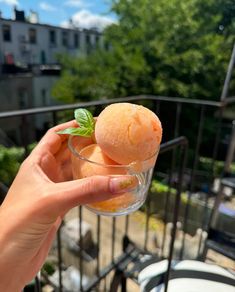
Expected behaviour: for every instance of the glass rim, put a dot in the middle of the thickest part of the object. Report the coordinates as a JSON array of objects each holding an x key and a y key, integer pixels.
[{"x": 76, "y": 153}]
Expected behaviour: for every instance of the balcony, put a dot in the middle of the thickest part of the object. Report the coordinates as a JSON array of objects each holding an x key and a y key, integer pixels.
[{"x": 190, "y": 198}]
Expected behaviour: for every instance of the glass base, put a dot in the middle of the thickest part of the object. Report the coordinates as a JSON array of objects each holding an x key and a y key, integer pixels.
[{"x": 126, "y": 211}]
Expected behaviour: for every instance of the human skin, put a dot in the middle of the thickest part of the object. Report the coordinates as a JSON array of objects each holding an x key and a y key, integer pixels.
[{"x": 37, "y": 201}]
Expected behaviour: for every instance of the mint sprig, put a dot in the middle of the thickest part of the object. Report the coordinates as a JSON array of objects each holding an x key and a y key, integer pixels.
[{"x": 85, "y": 121}]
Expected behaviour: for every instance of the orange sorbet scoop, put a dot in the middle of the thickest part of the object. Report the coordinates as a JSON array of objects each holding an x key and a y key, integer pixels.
[
  {"x": 128, "y": 132},
  {"x": 95, "y": 162}
]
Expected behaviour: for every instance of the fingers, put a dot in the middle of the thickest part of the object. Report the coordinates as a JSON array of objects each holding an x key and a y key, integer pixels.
[
  {"x": 52, "y": 141},
  {"x": 63, "y": 154},
  {"x": 63, "y": 126},
  {"x": 90, "y": 190}
]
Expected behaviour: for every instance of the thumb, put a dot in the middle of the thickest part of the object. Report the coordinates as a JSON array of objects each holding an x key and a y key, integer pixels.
[{"x": 91, "y": 189}]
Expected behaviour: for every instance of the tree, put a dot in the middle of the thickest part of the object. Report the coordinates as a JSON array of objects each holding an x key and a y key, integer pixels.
[{"x": 171, "y": 48}]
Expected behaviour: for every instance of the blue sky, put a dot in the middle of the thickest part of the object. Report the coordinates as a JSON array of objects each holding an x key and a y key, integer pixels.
[{"x": 84, "y": 13}]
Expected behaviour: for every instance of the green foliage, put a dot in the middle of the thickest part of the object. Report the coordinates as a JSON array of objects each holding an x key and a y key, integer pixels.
[
  {"x": 86, "y": 78},
  {"x": 185, "y": 52},
  {"x": 49, "y": 268},
  {"x": 172, "y": 48},
  {"x": 10, "y": 159},
  {"x": 197, "y": 209},
  {"x": 205, "y": 163},
  {"x": 158, "y": 187}
]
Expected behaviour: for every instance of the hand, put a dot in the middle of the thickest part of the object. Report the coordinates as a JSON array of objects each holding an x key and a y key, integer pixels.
[{"x": 36, "y": 203}]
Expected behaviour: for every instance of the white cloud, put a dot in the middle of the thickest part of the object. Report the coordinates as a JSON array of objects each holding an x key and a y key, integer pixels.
[
  {"x": 10, "y": 2},
  {"x": 86, "y": 19},
  {"x": 46, "y": 6},
  {"x": 77, "y": 3}
]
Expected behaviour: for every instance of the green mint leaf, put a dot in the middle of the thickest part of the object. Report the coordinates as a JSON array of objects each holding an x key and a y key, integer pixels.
[
  {"x": 84, "y": 118},
  {"x": 76, "y": 132},
  {"x": 70, "y": 131},
  {"x": 84, "y": 132},
  {"x": 86, "y": 124}
]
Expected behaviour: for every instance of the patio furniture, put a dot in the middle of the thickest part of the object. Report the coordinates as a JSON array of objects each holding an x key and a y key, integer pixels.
[
  {"x": 221, "y": 241},
  {"x": 197, "y": 275},
  {"x": 152, "y": 274}
]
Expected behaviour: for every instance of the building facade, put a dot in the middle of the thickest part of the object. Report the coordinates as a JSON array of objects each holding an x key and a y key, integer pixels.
[
  {"x": 29, "y": 67},
  {"x": 24, "y": 43}
]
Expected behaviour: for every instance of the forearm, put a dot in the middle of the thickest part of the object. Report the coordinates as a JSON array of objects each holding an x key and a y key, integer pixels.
[
  {"x": 9, "y": 274},
  {"x": 8, "y": 283}
]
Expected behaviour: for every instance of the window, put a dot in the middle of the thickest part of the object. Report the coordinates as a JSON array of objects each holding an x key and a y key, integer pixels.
[
  {"x": 88, "y": 44},
  {"x": 6, "y": 33},
  {"x": 52, "y": 37},
  {"x": 43, "y": 57},
  {"x": 88, "y": 40},
  {"x": 44, "y": 97},
  {"x": 97, "y": 40},
  {"x": 23, "y": 98},
  {"x": 9, "y": 58},
  {"x": 76, "y": 40},
  {"x": 64, "y": 38},
  {"x": 32, "y": 36}
]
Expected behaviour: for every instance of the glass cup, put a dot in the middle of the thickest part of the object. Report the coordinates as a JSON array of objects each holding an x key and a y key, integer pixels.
[{"x": 125, "y": 203}]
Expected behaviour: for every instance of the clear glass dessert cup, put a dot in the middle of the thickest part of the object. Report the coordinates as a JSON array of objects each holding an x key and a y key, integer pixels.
[{"x": 127, "y": 202}]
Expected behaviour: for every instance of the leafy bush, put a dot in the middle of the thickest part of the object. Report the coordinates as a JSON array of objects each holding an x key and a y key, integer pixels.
[
  {"x": 10, "y": 160},
  {"x": 161, "y": 188},
  {"x": 205, "y": 164},
  {"x": 49, "y": 268}
]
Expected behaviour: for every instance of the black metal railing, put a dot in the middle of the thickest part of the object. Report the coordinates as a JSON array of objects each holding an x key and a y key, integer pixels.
[{"x": 174, "y": 112}]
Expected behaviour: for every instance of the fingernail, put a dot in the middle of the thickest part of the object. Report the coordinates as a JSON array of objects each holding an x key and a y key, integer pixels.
[{"x": 122, "y": 184}]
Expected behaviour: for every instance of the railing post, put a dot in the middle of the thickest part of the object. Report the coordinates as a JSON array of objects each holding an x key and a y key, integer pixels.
[
  {"x": 184, "y": 149},
  {"x": 98, "y": 245},
  {"x": 147, "y": 223},
  {"x": 113, "y": 238},
  {"x": 81, "y": 247},
  {"x": 24, "y": 136},
  {"x": 228, "y": 75},
  {"x": 59, "y": 247},
  {"x": 231, "y": 151}
]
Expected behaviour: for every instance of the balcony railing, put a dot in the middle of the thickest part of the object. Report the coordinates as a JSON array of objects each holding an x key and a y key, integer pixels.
[{"x": 182, "y": 177}]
